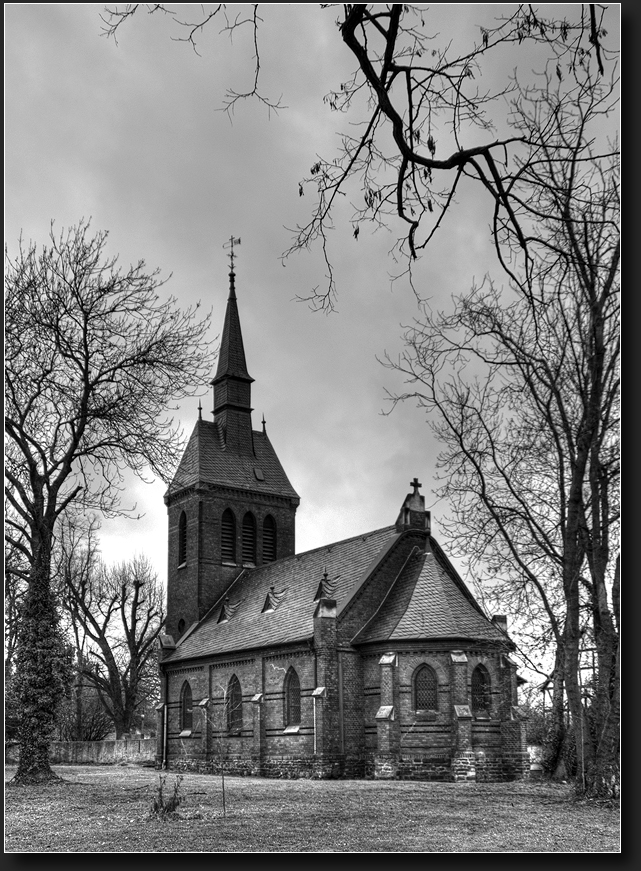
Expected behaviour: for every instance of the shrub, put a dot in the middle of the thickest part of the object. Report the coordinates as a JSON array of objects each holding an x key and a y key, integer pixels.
[{"x": 164, "y": 806}]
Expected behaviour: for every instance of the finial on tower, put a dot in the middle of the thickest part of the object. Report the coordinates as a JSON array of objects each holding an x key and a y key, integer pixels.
[
  {"x": 264, "y": 429},
  {"x": 200, "y": 410},
  {"x": 232, "y": 275}
]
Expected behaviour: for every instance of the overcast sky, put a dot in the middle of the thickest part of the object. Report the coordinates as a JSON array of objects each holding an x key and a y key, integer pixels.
[{"x": 133, "y": 136}]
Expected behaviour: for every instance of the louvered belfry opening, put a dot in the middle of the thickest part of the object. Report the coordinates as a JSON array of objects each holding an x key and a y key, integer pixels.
[
  {"x": 425, "y": 689},
  {"x": 269, "y": 539},
  {"x": 182, "y": 539},
  {"x": 249, "y": 538},
  {"x": 228, "y": 537}
]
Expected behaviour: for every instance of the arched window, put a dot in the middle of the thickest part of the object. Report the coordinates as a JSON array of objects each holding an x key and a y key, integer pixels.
[
  {"x": 234, "y": 704},
  {"x": 181, "y": 627},
  {"x": 249, "y": 538},
  {"x": 186, "y": 708},
  {"x": 269, "y": 539},
  {"x": 182, "y": 539},
  {"x": 481, "y": 691},
  {"x": 425, "y": 689},
  {"x": 292, "y": 699},
  {"x": 228, "y": 537}
]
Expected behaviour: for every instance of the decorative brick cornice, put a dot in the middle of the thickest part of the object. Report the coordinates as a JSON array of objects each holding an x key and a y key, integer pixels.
[{"x": 232, "y": 663}]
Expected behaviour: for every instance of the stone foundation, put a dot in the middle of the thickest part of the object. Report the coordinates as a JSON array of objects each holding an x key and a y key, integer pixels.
[{"x": 463, "y": 766}]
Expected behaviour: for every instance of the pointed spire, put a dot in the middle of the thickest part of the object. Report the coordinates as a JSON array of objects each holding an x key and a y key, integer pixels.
[
  {"x": 232, "y": 382},
  {"x": 231, "y": 357}
]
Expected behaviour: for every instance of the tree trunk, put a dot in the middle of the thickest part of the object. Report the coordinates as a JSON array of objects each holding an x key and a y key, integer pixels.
[
  {"x": 38, "y": 671},
  {"x": 603, "y": 779},
  {"x": 553, "y": 765}
]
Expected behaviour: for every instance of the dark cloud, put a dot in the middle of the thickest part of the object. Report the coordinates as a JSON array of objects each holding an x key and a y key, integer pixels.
[{"x": 133, "y": 136}]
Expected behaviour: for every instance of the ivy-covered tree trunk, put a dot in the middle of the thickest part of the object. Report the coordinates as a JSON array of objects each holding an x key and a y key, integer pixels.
[
  {"x": 605, "y": 777},
  {"x": 39, "y": 671}
]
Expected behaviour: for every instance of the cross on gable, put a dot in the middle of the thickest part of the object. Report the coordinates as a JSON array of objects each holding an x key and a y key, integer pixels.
[{"x": 415, "y": 484}]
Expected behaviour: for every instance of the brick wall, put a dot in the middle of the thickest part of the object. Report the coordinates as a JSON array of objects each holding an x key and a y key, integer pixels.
[{"x": 193, "y": 588}]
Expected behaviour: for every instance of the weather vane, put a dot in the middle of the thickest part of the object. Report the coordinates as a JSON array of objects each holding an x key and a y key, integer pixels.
[{"x": 232, "y": 241}]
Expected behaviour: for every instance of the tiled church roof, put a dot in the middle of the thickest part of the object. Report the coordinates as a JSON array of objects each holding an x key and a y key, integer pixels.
[
  {"x": 425, "y": 601},
  {"x": 295, "y": 581},
  {"x": 207, "y": 460}
]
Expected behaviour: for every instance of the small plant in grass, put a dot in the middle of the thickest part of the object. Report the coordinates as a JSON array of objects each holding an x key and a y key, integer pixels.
[{"x": 166, "y": 803}]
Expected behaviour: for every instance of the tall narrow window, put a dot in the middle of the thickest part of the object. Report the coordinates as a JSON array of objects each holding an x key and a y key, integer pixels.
[
  {"x": 425, "y": 689},
  {"x": 292, "y": 699},
  {"x": 186, "y": 708},
  {"x": 228, "y": 537},
  {"x": 182, "y": 539},
  {"x": 269, "y": 539},
  {"x": 234, "y": 704},
  {"x": 481, "y": 691},
  {"x": 249, "y": 538}
]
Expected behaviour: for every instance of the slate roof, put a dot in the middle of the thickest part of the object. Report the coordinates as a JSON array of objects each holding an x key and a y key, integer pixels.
[
  {"x": 207, "y": 460},
  {"x": 429, "y": 601},
  {"x": 295, "y": 581},
  {"x": 425, "y": 601},
  {"x": 231, "y": 357}
]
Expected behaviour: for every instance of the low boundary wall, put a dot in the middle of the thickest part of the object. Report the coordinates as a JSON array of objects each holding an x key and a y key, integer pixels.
[{"x": 140, "y": 750}]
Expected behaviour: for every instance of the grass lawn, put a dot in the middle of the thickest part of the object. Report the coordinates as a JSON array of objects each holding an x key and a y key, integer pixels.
[{"x": 106, "y": 809}]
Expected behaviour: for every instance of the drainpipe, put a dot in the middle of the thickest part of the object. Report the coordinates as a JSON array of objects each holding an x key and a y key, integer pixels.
[
  {"x": 314, "y": 701},
  {"x": 164, "y": 724},
  {"x": 341, "y": 713}
]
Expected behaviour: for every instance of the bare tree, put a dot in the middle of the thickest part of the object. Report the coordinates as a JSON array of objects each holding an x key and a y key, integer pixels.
[
  {"x": 118, "y": 615},
  {"x": 420, "y": 121},
  {"x": 424, "y": 131},
  {"x": 525, "y": 386},
  {"x": 95, "y": 360}
]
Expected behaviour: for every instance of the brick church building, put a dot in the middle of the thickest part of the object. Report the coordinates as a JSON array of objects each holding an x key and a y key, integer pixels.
[{"x": 368, "y": 657}]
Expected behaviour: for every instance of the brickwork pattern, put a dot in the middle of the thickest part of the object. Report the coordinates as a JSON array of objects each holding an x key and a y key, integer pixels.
[{"x": 194, "y": 587}]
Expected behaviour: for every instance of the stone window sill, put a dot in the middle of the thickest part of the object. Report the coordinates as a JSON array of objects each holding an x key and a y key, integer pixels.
[
  {"x": 426, "y": 715},
  {"x": 186, "y": 733},
  {"x": 291, "y": 730}
]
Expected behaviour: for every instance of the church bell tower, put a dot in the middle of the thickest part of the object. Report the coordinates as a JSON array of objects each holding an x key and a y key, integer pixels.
[{"x": 230, "y": 504}]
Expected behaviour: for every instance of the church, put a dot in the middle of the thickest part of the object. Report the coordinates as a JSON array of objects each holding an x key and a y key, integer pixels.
[{"x": 368, "y": 657}]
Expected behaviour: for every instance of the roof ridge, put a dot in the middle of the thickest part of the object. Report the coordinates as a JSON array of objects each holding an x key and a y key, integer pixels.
[
  {"x": 440, "y": 556},
  {"x": 362, "y": 535}
]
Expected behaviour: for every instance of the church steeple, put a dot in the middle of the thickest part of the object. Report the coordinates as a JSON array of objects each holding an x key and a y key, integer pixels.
[{"x": 232, "y": 382}]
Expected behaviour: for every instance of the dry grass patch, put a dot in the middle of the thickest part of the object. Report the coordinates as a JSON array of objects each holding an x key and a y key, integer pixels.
[{"x": 107, "y": 809}]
